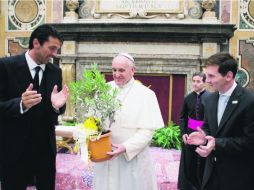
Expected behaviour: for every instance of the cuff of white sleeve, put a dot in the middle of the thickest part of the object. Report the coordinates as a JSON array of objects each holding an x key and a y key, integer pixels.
[
  {"x": 22, "y": 111},
  {"x": 56, "y": 109},
  {"x": 128, "y": 154}
]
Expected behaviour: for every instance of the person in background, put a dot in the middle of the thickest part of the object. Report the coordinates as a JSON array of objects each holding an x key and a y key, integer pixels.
[
  {"x": 31, "y": 98},
  {"x": 227, "y": 136},
  {"x": 131, "y": 166},
  {"x": 192, "y": 115}
]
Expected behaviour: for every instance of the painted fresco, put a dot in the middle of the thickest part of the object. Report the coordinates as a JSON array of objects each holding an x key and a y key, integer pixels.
[
  {"x": 246, "y": 20},
  {"x": 17, "y": 46},
  {"x": 225, "y": 11}
]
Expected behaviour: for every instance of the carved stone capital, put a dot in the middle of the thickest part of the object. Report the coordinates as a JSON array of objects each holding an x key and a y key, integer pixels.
[{"x": 69, "y": 48}]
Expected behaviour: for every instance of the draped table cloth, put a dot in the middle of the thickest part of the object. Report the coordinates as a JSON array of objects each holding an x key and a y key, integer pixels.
[{"x": 74, "y": 174}]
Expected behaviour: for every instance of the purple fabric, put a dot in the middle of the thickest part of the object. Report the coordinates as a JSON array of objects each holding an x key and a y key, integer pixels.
[
  {"x": 160, "y": 85},
  {"x": 193, "y": 124},
  {"x": 177, "y": 96}
]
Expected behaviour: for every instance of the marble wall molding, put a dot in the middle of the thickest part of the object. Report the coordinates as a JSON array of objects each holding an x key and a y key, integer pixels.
[{"x": 157, "y": 64}]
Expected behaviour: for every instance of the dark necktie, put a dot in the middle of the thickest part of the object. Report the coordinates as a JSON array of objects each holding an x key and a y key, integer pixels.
[{"x": 36, "y": 81}]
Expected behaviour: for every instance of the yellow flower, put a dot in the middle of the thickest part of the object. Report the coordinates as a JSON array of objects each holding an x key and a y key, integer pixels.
[
  {"x": 76, "y": 148},
  {"x": 91, "y": 123}
]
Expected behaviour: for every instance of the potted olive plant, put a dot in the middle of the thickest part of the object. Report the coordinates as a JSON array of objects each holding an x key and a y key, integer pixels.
[{"x": 95, "y": 105}]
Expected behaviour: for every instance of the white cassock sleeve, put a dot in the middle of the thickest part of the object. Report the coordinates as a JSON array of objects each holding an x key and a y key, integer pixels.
[{"x": 137, "y": 143}]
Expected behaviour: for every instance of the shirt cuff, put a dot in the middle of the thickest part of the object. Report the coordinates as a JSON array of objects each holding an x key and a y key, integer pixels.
[
  {"x": 22, "y": 111},
  {"x": 57, "y": 110}
]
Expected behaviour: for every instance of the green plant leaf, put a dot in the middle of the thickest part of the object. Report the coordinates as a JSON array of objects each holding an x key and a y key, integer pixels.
[{"x": 168, "y": 137}]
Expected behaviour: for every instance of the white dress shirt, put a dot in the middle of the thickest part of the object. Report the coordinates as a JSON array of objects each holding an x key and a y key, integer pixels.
[
  {"x": 222, "y": 102},
  {"x": 32, "y": 65}
]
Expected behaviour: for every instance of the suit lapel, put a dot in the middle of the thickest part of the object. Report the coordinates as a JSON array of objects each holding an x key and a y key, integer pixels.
[
  {"x": 231, "y": 107},
  {"x": 49, "y": 79},
  {"x": 22, "y": 72},
  {"x": 213, "y": 112}
]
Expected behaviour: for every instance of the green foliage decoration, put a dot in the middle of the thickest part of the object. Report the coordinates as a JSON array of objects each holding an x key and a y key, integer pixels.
[
  {"x": 94, "y": 97},
  {"x": 168, "y": 137},
  {"x": 69, "y": 123}
]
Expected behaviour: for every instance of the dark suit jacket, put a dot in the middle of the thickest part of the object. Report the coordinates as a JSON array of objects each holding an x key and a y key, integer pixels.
[
  {"x": 233, "y": 156},
  {"x": 16, "y": 128}
]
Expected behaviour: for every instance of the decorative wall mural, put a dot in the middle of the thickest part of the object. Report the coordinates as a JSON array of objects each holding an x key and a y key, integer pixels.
[
  {"x": 245, "y": 75},
  {"x": 246, "y": 20},
  {"x": 57, "y": 14},
  {"x": 225, "y": 11},
  {"x": 25, "y": 15},
  {"x": 242, "y": 77},
  {"x": 17, "y": 46}
]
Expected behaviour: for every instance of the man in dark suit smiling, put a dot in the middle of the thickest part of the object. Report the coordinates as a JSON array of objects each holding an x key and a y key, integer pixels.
[
  {"x": 29, "y": 105},
  {"x": 227, "y": 136}
]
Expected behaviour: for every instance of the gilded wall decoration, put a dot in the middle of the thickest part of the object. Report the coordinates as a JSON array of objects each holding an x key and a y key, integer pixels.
[{"x": 25, "y": 14}]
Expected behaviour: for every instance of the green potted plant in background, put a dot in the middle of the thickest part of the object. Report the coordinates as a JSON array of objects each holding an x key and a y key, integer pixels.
[
  {"x": 168, "y": 137},
  {"x": 95, "y": 105}
]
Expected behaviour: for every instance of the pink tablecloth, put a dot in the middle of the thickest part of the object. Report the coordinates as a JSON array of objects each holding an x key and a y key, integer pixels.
[{"x": 73, "y": 174}]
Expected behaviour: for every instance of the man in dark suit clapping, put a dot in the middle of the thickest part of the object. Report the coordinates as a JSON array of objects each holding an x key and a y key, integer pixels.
[
  {"x": 227, "y": 136},
  {"x": 29, "y": 106}
]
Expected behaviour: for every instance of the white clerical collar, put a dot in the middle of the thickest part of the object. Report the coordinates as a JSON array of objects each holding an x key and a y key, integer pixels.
[
  {"x": 128, "y": 84},
  {"x": 32, "y": 64},
  {"x": 200, "y": 92},
  {"x": 230, "y": 91}
]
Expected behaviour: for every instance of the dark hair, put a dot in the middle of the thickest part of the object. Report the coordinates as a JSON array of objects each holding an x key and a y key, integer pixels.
[
  {"x": 42, "y": 33},
  {"x": 225, "y": 61},
  {"x": 200, "y": 74}
]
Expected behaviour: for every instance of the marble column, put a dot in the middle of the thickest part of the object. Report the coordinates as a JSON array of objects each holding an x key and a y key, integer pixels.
[{"x": 68, "y": 66}]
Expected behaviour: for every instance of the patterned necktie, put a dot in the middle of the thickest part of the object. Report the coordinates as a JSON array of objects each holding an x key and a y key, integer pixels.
[
  {"x": 222, "y": 103},
  {"x": 36, "y": 81}
]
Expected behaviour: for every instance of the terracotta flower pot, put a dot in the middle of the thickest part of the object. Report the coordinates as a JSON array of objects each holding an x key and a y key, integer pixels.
[{"x": 99, "y": 148}]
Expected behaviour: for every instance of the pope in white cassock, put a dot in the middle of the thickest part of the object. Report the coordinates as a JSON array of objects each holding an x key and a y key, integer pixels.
[{"x": 131, "y": 167}]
